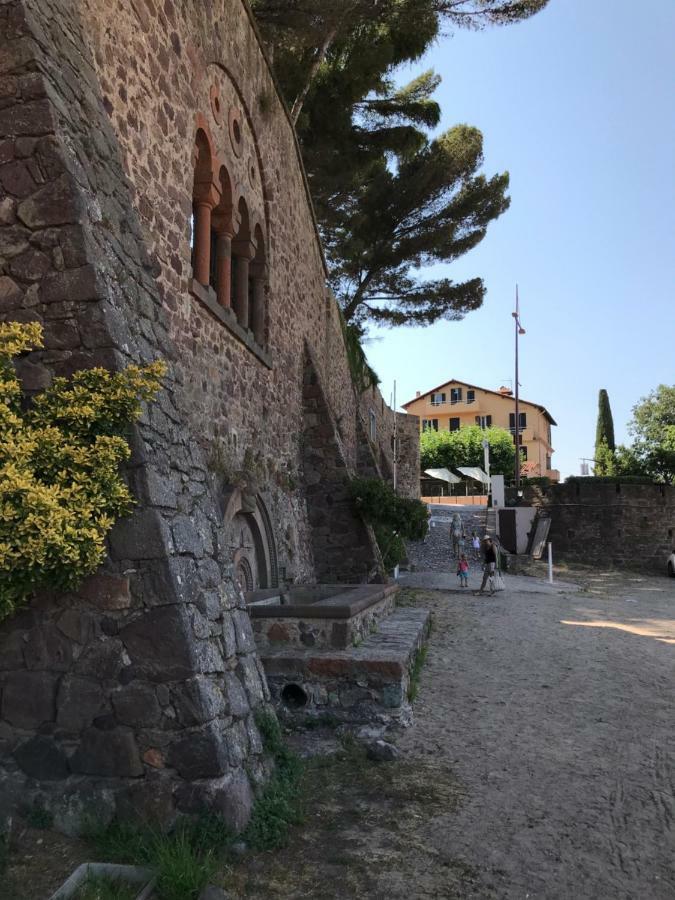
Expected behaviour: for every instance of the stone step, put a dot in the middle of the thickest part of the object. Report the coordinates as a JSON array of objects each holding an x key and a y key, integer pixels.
[{"x": 358, "y": 684}]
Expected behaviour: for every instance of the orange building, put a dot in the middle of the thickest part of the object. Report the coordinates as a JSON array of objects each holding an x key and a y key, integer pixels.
[{"x": 456, "y": 404}]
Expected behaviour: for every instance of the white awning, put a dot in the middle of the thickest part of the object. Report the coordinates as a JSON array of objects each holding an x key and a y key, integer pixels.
[
  {"x": 474, "y": 472},
  {"x": 443, "y": 475}
]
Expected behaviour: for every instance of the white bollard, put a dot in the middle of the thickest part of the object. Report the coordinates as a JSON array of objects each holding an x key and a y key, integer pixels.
[{"x": 550, "y": 563}]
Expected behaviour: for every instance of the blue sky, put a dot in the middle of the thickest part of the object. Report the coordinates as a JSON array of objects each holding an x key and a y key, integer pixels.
[{"x": 578, "y": 104}]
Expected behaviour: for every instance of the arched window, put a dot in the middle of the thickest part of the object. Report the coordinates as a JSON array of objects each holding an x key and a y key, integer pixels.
[
  {"x": 243, "y": 252},
  {"x": 229, "y": 260},
  {"x": 205, "y": 196},
  {"x": 222, "y": 229}
]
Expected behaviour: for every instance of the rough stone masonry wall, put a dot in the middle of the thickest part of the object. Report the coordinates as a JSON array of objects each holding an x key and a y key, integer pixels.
[
  {"x": 381, "y": 449},
  {"x": 628, "y": 525},
  {"x": 138, "y": 693},
  {"x": 135, "y": 695}
]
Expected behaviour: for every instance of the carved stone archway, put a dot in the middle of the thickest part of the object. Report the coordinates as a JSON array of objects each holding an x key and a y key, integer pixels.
[{"x": 249, "y": 536}]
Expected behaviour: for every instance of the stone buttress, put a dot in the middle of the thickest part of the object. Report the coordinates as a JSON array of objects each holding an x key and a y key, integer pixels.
[{"x": 153, "y": 205}]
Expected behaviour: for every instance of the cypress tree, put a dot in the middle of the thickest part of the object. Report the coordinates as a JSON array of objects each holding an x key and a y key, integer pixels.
[{"x": 604, "y": 432}]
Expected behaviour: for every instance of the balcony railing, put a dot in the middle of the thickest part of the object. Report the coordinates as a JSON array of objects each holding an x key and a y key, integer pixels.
[{"x": 452, "y": 402}]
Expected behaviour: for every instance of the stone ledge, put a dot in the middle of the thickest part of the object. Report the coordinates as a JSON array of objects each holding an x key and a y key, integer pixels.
[
  {"x": 383, "y": 658},
  {"x": 207, "y": 297}
]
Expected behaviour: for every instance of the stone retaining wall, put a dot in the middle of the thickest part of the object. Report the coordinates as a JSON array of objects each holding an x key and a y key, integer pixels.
[
  {"x": 630, "y": 525},
  {"x": 137, "y": 694}
]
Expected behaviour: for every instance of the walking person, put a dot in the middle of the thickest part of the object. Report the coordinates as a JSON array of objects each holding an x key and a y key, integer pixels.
[
  {"x": 463, "y": 571},
  {"x": 490, "y": 564},
  {"x": 457, "y": 532},
  {"x": 475, "y": 543}
]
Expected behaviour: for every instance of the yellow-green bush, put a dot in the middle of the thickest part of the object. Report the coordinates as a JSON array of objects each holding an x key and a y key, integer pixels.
[{"x": 60, "y": 484}]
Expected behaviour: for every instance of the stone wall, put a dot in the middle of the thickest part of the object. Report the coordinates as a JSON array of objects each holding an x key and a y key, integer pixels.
[
  {"x": 138, "y": 693},
  {"x": 629, "y": 525},
  {"x": 380, "y": 424}
]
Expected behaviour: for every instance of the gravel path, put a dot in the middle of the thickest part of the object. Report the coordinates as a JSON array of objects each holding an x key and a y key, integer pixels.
[{"x": 554, "y": 710}]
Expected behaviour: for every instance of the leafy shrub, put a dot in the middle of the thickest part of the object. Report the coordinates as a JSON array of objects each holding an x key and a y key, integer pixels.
[
  {"x": 394, "y": 519},
  {"x": 60, "y": 484}
]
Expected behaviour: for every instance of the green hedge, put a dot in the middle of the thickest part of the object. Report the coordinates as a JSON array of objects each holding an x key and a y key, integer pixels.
[{"x": 394, "y": 519}]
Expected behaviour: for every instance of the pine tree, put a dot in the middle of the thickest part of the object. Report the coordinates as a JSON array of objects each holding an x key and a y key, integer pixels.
[{"x": 388, "y": 199}]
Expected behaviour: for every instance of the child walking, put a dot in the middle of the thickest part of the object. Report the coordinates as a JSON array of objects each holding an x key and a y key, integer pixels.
[
  {"x": 463, "y": 571},
  {"x": 475, "y": 543}
]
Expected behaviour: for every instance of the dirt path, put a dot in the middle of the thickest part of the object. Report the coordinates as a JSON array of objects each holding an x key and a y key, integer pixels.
[{"x": 541, "y": 764}]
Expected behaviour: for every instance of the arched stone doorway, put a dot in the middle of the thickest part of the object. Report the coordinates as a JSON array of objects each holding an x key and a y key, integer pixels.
[{"x": 248, "y": 535}]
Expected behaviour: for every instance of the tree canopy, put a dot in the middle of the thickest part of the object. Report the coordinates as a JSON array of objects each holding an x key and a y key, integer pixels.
[
  {"x": 389, "y": 200},
  {"x": 653, "y": 429},
  {"x": 464, "y": 447}
]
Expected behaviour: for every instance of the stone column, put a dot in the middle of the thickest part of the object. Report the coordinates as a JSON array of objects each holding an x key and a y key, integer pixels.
[
  {"x": 244, "y": 253},
  {"x": 258, "y": 305},
  {"x": 202, "y": 241},
  {"x": 223, "y": 267}
]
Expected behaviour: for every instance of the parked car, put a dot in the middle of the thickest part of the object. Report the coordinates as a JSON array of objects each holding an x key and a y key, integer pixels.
[{"x": 671, "y": 565}]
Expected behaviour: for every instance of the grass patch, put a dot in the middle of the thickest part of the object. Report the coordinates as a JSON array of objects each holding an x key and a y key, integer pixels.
[
  {"x": 415, "y": 672},
  {"x": 185, "y": 859},
  {"x": 103, "y": 887},
  {"x": 188, "y": 857},
  {"x": 182, "y": 871},
  {"x": 280, "y": 805}
]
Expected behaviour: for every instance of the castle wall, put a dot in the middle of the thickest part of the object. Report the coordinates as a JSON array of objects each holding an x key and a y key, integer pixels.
[
  {"x": 137, "y": 694},
  {"x": 608, "y": 524}
]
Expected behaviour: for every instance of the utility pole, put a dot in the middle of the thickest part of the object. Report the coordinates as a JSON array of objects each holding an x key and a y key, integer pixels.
[{"x": 519, "y": 330}]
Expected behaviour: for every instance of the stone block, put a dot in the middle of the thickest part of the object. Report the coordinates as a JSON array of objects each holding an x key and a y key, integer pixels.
[
  {"x": 198, "y": 700},
  {"x": 237, "y": 702},
  {"x": 72, "y": 284},
  {"x": 145, "y": 535},
  {"x": 42, "y": 758},
  {"x": 14, "y": 240},
  {"x": 33, "y": 376},
  {"x": 28, "y": 699},
  {"x": 109, "y": 592},
  {"x": 101, "y": 659},
  {"x": 48, "y": 649},
  {"x": 34, "y": 117},
  {"x": 16, "y": 179},
  {"x": 148, "y": 802},
  {"x": 56, "y": 203},
  {"x": 15, "y": 55},
  {"x": 7, "y": 211},
  {"x": 160, "y": 643},
  {"x": 10, "y": 294},
  {"x": 243, "y": 631},
  {"x": 78, "y": 703},
  {"x": 250, "y": 678},
  {"x": 108, "y": 754},
  {"x": 202, "y": 754},
  {"x": 77, "y": 624},
  {"x": 173, "y": 580},
  {"x": 136, "y": 705},
  {"x": 186, "y": 538},
  {"x": 233, "y": 800},
  {"x": 208, "y": 657}
]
